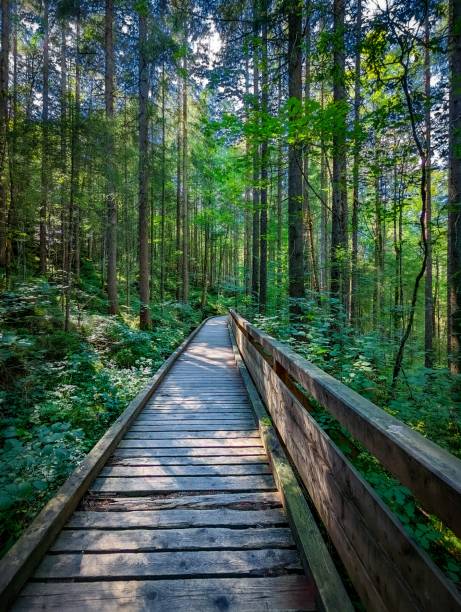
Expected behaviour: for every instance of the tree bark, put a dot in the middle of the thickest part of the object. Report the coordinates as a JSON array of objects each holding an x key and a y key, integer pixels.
[
  {"x": 354, "y": 311},
  {"x": 454, "y": 192},
  {"x": 185, "y": 187},
  {"x": 428, "y": 290},
  {"x": 264, "y": 163},
  {"x": 4, "y": 73},
  {"x": 111, "y": 198},
  {"x": 163, "y": 199},
  {"x": 256, "y": 161},
  {"x": 143, "y": 204},
  {"x": 45, "y": 144},
  {"x": 295, "y": 184},
  {"x": 339, "y": 276}
]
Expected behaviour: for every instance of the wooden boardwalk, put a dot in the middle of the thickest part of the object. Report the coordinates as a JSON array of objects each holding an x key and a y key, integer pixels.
[{"x": 185, "y": 515}]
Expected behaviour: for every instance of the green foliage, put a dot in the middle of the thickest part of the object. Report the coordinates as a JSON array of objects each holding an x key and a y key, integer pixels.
[{"x": 61, "y": 390}]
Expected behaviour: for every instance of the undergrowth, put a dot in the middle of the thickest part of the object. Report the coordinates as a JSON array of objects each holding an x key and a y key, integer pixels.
[{"x": 60, "y": 390}]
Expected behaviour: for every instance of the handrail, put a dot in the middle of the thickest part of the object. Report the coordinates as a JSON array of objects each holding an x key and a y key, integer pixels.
[{"x": 368, "y": 537}]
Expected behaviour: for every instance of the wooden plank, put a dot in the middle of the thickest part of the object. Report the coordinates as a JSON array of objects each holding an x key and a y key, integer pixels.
[
  {"x": 206, "y": 409},
  {"x": 331, "y": 591},
  {"x": 190, "y": 435},
  {"x": 192, "y": 443},
  {"x": 180, "y": 564},
  {"x": 19, "y": 562},
  {"x": 176, "y": 518},
  {"x": 193, "y": 427},
  {"x": 254, "y": 500},
  {"x": 141, "y": 485},
  {"x": 431, "y": 472},
  {"x": 145, "y": 540},
  {"x": 246, "y": 594},
  {"x": 219, "y": 451},
  {"x": 388, "y": 570},
  {"x": 188, "y": 461},
  {"x": 185, "y": 470},
  {"x": 187, "y": 415},
  {"x": 195, "y": 421}
]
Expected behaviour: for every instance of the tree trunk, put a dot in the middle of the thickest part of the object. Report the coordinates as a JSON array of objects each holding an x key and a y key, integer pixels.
[
  {"x": 247, "y": 261},
  {"x": 279, "y": 191},
  {"x": 264, "y": 163},
  {"x": 4, "y": 70},
  {"x": 256, "y": 161},
  {"x": 163, "y": 201},
  {"x": 185, "y": 187},
  {"x": 354, "y": 313},
  {"x": 72, "y": 238},
  {"x": 295, "y": 182},
  {"x": 179, "y": 169},
  {"x": 454, "y": 192},
  {"x": 339, "y": 276},
  {"x": 45, "y": 144},
  {"x": 63, "y": 146},
  {"x": 110, "y": 168},
  {"x": 143, "y": 204},
  {"x": 428, "y": 290}
]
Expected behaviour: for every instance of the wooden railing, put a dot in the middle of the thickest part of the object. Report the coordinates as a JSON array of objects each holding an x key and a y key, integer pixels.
[{"x": 387, "y": 568}]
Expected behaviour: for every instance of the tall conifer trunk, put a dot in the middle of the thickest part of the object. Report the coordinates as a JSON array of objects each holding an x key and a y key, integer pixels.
[
  {"x": 143, "y": 204},
  {"x": 45, "y": 144},
  {"x": 454, "y": 192},
  {"x": 264, "y": 164},
  {"x": 295, "y": 181},
  {"x": 4, "y": 69},
  {"x": 111, "y": 201},
  {"x": 339, "y": 276}
]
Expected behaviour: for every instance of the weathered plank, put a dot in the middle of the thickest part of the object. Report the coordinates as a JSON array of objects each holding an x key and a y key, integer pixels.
[
  {"x": 213, "y": 595},
  {"x": 191, "y": 443},
  {"x": 144, "y": 484},
  {"x": 254, "y": 500},
  {"x": 176, "y": 518},
  {"x": 145, "y": 540},
  {"x": 180, "y": 564},
  {"x": 194, "y": 419},
  {"x": 219, "y": 451},
  {"x": 193, "y": 427},
  {"x": 185, "y": 470},
  {"x": 18, "y": 564},
  {"x": 181, "y": 424},
  {"x": 188, "y": 461},
  {"x": 218, "y": 434}
]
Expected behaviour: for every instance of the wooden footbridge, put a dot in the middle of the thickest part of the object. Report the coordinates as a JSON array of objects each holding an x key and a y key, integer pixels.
[{"x": 202, "y": 497}]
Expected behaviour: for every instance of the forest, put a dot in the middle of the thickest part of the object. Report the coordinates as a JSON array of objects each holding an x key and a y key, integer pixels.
[{"x": 161, "y": 162}]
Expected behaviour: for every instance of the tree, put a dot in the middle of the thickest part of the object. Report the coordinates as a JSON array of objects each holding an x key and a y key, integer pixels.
[
  {"x": 111, "y": 198},
  {"x": 143, "y": 204},
  {"x": 295, "y": 185},
  {"x": 4, "y": 74},
  {"x": 339, "y": 212},
  {"x": 356, "y": 166},
  {"x": 256, "y": 161},
  {"x": 454, "y": 191},
  {"x": 264, "y": 164},
  {"x": 45, "y": 141}
]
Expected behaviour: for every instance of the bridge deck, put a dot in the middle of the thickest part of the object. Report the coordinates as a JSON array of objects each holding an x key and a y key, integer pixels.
[{"x": 185, "y": 515}]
